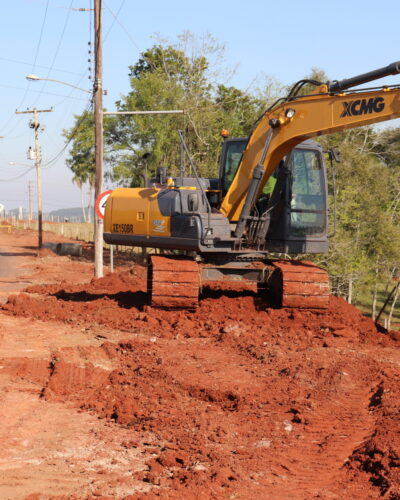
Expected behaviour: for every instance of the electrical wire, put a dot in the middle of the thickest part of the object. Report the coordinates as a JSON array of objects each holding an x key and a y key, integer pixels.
[
  {"x": 123, "y": 28},
  {"x": 91, "y": 44},
  {"x": 51, "y": 162},
  {"x": 88, "y": 70},
  {"x": 115, "y": 19},
  {"x": 57, "y": 156},
  {"x": 32, "y": 71},
  {"x": 46, "y": 93},
  {"x": 18, "y": 177},
  {"x": 38, "y": 66},
  {"x": 40, "y": 36},
  {"x": 56, "y": 52}
]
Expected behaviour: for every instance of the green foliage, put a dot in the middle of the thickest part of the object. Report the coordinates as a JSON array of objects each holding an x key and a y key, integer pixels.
[
  {"x": 172, "y": 77},
  {"x": 81, "y": 158},
  {"x": 366, "y": 247}
]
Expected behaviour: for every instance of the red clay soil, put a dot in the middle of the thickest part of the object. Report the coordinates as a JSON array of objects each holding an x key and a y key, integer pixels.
[{"x": 235, "y": 400}]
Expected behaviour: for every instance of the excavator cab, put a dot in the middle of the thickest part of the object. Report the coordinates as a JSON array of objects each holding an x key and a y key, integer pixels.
[
  {"x": 299, "y": 207},
  {"x": 297, "y": 203}
]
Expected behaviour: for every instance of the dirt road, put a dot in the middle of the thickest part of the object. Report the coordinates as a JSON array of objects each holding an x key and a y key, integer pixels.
[{"x": 105, "y": 397}]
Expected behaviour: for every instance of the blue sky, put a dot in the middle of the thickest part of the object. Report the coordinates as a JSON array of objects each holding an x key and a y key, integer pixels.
[{"x": 282, "y": 40}]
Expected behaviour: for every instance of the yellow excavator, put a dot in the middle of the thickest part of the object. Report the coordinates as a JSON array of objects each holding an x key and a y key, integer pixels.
[{"x": 270, "y": 198}]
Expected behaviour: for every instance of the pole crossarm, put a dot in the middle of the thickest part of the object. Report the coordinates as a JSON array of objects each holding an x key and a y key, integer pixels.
[{"x": 33, "y": 111}]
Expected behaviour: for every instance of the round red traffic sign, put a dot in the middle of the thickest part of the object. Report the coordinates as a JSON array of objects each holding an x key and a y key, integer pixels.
[{"x": 101, "y": 200}]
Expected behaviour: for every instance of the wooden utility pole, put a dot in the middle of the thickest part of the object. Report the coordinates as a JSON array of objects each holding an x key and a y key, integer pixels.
[
  {"x": 98, "y": 121},
  {"x": 38, "y": 158}
]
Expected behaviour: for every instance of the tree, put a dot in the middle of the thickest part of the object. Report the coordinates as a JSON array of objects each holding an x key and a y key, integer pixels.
[
  {"x": 170, "y": 76},
  {"x": 81, "y": 158},
  {"x": 366, "y": 246},
  {"x": 166, "y": 77}
]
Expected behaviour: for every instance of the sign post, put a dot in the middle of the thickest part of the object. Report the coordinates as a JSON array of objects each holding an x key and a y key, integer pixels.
[{"x": 100, "y": 207}]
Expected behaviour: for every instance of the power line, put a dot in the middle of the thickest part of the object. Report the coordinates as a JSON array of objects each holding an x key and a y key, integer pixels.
[
  {"x": 124, "y": 29},
  {"x": 18, "y": 176},
  {"x": 34, "y": 124},
  {"x": 115, "y": 19},
  {"x": 46, "y": 93},
  {"x": 40, "y": 36},
  {"x": 56, "y": 52},
  {"x": 38, "y": 66},
  {"x": 51, "y": 162},
  {"x": 32, "y": 69},
  {"x": 90, "y": 44}
]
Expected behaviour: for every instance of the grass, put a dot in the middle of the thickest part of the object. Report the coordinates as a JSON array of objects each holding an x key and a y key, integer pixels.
[{"x": 363, "y": 301}]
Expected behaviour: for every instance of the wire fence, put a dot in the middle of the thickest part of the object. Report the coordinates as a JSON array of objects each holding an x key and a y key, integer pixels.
[{"x": 81, "y": 231}]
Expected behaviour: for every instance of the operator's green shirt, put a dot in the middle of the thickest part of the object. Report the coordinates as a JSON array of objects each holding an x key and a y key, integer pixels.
[{"x": 269, "y": 185}]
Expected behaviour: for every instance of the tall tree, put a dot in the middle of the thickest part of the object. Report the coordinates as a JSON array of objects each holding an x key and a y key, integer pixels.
[{"x": 169, "y": 77}]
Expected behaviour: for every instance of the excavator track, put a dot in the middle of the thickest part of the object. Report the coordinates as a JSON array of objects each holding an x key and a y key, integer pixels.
[
  {"x": 173, "y": 283},
  {"x": 300, "y": 284}
]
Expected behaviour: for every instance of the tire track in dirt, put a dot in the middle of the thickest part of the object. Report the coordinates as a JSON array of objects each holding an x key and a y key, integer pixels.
[{"x": 340, "y": 422}]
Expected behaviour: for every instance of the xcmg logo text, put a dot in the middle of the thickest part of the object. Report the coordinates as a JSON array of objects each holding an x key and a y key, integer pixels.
[{"x": 363, "y": 106}]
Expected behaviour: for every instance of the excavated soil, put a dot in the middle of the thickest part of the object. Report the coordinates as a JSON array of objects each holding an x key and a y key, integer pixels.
[{"x": 106, "y": 397}]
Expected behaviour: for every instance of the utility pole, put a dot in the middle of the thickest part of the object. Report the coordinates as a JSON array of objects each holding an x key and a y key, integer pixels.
[
  {"x": 30, "y": 200},
  {"x": 38, "y": 157},
  {"x": 98, "y": 124}
]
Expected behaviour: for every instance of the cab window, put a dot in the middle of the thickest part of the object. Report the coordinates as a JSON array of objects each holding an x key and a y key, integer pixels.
[
  {"x": 308, "y": 203},
  {"x": 233, "y": 155}
]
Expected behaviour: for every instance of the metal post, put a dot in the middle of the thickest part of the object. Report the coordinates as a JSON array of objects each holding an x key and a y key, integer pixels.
[
  {"x": 98, "y": 120},
  {"x": 111, "y": 258},
  {"x": 182, "y": 154}
]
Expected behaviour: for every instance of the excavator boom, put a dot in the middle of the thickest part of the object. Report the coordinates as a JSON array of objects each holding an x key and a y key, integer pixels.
[{"x": 301, "y": 118}]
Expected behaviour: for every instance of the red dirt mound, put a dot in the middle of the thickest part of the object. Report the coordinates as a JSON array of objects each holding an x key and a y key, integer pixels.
[
  {"x": 235, "y": 400},
  {"x": 119, "y": 301}
]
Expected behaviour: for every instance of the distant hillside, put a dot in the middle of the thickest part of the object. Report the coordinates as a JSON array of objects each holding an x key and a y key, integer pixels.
[
  {"x": 67, "y": 212},
  {"x": 72, "y": 214}
]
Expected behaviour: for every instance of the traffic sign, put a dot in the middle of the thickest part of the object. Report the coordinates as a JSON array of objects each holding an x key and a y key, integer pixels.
[{"x": 101, "y": 201}]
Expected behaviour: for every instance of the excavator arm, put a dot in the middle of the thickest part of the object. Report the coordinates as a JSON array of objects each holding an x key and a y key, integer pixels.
[{"x": 330, "y": 109}]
